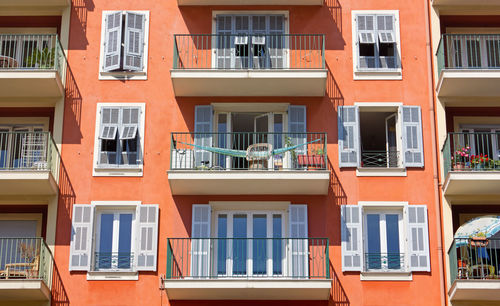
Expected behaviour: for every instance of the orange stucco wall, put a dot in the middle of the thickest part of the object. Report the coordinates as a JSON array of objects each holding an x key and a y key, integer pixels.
[{"x": 165, "y": 114}]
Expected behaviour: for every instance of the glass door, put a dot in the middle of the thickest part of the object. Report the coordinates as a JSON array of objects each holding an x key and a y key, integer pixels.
[{"x": 391, "y": 141}]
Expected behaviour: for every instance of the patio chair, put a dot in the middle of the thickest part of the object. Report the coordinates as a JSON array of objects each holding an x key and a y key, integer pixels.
[{"x": 23, "y": 269}]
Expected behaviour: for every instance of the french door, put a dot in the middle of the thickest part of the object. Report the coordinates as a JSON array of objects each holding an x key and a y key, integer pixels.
[
  {"x": 250, "y": 244},
  {"x": 22, "y": 146},
  {"x": 482, "y": 140}
]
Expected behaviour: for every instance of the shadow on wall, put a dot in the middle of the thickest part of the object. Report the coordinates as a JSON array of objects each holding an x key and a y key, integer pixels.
[
  {"x": 336, "y": 11},
  {"x": 58, "y": 294},
  {"x": 338, "y": 295},
  {"x": 65, "y": 206},
  {"x": 79, "y": 15},
  {"x": 72, "y": 111},
  {"x": 333, "y": 90}
]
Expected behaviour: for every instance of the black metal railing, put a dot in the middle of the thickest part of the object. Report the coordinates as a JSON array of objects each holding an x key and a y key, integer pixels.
[
  {"x": 385, "y": 262},
  {"x": 379, "y": 159},
  {"x": 113, "y": 261},
  {"x": 220, "y": 258},
  {"x": 474, "y": 258}
]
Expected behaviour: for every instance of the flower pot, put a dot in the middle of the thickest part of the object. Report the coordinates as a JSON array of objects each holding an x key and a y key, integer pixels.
[{"x": 479, "y": 241}]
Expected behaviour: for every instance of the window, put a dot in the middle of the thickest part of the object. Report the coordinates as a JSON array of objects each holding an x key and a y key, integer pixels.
[
  {"x": 114, "y": 237},
  {"x": 376, "y": 45},
  {"x": 384, "y": 237},
  {"x": 124, "y": 40},
  {"x": 119, "y": 138},
  {"x": 380, "y": 136},
  {"x": 24, "y": 146}
]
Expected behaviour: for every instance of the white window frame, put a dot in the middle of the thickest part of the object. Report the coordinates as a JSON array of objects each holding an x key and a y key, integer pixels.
[
  {"x": 249, "y": 261},
  {"x": 381, "y": 107},
  {"x": 128, "y": 75},
  {"x": 131, "y": 170},
  {"x": 286, "y": 61},
  {"x": 377, "y": 73},
  {"x": 97, "y": 231}
]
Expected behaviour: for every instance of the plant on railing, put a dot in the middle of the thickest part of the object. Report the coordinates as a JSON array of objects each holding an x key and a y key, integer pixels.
[
  {"x": 41, "y": 59},
  {"x": 461, "y": 158},
  {"x": 293, "y": 153},
  {"x": 480, "y": 161}
]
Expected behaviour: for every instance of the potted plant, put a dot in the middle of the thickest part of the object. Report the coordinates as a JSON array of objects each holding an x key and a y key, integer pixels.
[
  {"x": 315, "y": 160},
  {"x": 461, "y": 158},
  {"x": 480, "y": 161},
  {"x": 44, "y": 59},
  {"x": 479, "y": 240}
]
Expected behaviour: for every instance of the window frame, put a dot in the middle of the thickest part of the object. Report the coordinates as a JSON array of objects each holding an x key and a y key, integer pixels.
[
  {"x": 128, "y": 75},
  {"x": 124, "y": 170},
  {"x": 376, "y": 73}
]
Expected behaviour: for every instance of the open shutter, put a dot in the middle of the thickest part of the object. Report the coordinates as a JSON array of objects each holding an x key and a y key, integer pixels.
[
  {"x": 110, "y": 118},
  {"x": 112, "y": 41},
  {"x": 297, "y": 127},
  {"x": 81, "y": 238},
  {"x": 147, "y": 243},
  {"x": 133, "y": 58},
  {"x": 200, "y": 241},
  {"x": 413, "y": 148},
  {"x": 129, "y": 128},
  {"x": 366, "y": 35},
  {"x": 418, "y": 238},
  {"x": 203, "y": 134},
  {"x": 351, "y": 232},
  {"x": 298, "y": 240},
  {"x": 348, "y": 138},
  {"x": 386, "y": 35}
]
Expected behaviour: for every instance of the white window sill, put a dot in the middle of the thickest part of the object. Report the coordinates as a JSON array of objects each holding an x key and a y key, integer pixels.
[
  {"x": 112, "y": 275},
  {"x": 381, "y": 171},
  {"x": 117, "y": 171},
  {"x": 386, "y": 276},
  {"x": 378, "y": 74},
  {"x": 123, "y": 75}
]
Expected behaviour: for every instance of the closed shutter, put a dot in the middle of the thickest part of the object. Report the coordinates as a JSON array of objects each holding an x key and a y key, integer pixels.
[
  {"x": 224, "y": 42},
  {"x": 134, "y": 41},
  {"x": 297, "y": 127},
  {"x": 80, "y": 254},
  {"x": 110, "y": 118},
  {"x": 112, "y": 41},
  {"x": 418, "y": 238},
  {"x": 203, "y": 134},
  {"x": 200, "y": 241},
  {"x": 348, "y": 138},
  {"x": 413, "y": 148},
  {"x": 351, "y": 233},
  {"x": 129, "y": 128},
  {"x": 366, "y": 35},
  {"x": 298, "y": 241},
  {"x": 148, "y": 237},
  {"x": 277, "y": 42}
]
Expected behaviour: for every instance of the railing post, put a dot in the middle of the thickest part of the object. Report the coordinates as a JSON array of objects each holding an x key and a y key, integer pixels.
[
  {"x": 323, "y": 52},
  {"x": 168, "y": 273},
  {"x": 176, "y": 52},
  {"x": 327, "y": 259}
]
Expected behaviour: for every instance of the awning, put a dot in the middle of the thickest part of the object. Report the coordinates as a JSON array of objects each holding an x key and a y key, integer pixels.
[{"x": 484, "y": 226}]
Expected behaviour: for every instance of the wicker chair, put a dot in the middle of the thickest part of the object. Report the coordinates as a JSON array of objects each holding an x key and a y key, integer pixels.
[{"x": 258, "y": 155}]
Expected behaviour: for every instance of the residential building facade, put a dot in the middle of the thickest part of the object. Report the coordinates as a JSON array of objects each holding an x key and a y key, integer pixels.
[
  {"x": 465, "y": 42},
  {"x": 213, "y": 151}
]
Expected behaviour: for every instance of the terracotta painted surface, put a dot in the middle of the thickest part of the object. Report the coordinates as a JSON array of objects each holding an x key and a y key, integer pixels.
[{"x": 165, "y": 114}]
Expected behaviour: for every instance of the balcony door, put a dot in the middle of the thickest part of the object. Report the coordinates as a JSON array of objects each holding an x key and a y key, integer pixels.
[
  {"x": 482, "y": 140},
  {"x": 250, "y": 244},
  {"x": 250, "y": 42},
  {"x": 22, "y": 147}
]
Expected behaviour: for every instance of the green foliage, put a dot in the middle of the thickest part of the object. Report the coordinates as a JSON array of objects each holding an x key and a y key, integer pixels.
[{"x": 41, "y": 59}]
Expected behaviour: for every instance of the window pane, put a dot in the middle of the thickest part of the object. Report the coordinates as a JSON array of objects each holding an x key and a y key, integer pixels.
[
  {"x": 393, "y": 252},
  {"x": 125, "y": 241},
  {"x": 221, "y": 244},
  {"x": 239, "y": 244},
  {"x": 105, "y": 242},
  {"x": 259, "y": 245},
  {"x": 373, "y": 239},
  {"x": 277, "y": 245}
]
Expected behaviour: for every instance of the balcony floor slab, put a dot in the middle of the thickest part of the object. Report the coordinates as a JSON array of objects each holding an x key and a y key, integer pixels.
[
  {"x": 475, "y": 290},
  {"x": 24, "y": 290},
  {"x": 27, "y": 183}
]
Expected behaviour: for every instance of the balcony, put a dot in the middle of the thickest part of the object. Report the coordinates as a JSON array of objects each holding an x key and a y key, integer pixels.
[
  {"x": 26, "y": 266},
  {"x": 247, "y": 269},
  {"x": 471, "y": 164},
  {"x": 248, "y": 163},
  {"x": 249, "y": 65},
  {"x": 31, "y": 66},
  {"x": 29, "y": 163},
  {"x": 249, "y": 2},
  {"x": 474, "y": 270},
  {"x": 468, "y": 67}
]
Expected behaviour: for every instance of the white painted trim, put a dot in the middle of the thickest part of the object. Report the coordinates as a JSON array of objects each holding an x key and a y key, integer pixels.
[
  {"x": 112, "y": 276},
  {"x": 245, "y": 74},
  {"x": 245, "y": 284},
  {"x": 120, "y": 75},
  {"x": 376, "y": 74},
  {"x": 136, "y": 170},
  {"x": 378, "y": 104},
  {"x": 382, "y": 204},
  {"x": 25, "y": 285},
  {"x": 253, "y": 12},
  {"x": 249, "y": 205},
  {"x": 116, "y": 203},
  {"x": 386, "y": 276},
  {"x": 250, "y": 107},
  {"x": 381, "y": 172}
]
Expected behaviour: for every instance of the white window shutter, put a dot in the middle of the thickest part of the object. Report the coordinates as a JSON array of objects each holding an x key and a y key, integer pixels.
[
  {"x": 418, "y": 238},
  {"x": 297, "y": 126},
  {"x": 299, "y": 244},
  {"x": 348, "y": 136},
  {"x": 413, "y": 148},
  {"x": 134, "y": 41},
  {"x": 147, "y": 243},
  {"x": 80, "y": 255},
  {"x": 351, "y": 241},
  {"x": 112, "y": 41},
  {"x": 203, "y": 137},
  {"x": 200, "y": 241},
  {"x": 110, "y": 122}
]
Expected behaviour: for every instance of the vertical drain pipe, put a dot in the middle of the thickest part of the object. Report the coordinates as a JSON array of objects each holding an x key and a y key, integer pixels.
[{"x": 435, "y": 156}]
